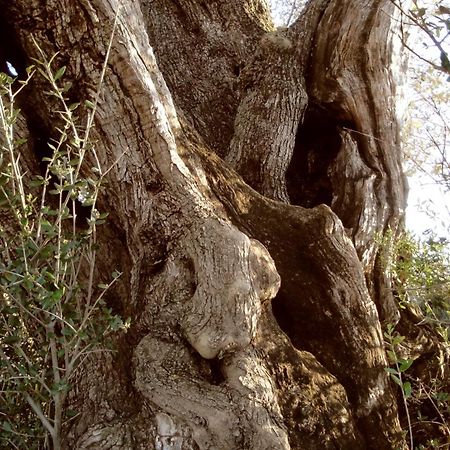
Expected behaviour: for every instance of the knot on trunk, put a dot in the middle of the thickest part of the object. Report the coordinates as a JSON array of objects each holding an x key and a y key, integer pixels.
[{"x": 235, "y": 274}]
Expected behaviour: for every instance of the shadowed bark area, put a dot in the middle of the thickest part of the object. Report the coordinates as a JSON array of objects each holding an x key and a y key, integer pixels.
[
  {"x": 202, "y": 48},
  {"x": 348, "y": 78},
  {"x": 274, "y": 101},
  {"x": 254, "y": 320},
  {"x": 325, "y": 308}
]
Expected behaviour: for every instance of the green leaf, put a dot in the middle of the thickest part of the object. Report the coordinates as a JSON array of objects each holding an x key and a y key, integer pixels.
[
  {"x": 71, "y": 413},
  {"x": 11, "y": 277},
  {"x": 67, "y": 331},
  {"x": 28, "y": 283},
  {"x": 405, "y": 364},
  {"x": 420, "y": 12},
  {"x": 392, "y": 356},
  {"x": 391, "y": 370},
  {"x": 59, "y": 73},
  {"x": 407, "y": 389},
  {"x": 11, "y": 339},
  {"x": 396, "y": 379},
  {"x": 116, "y": 323},
  {"x": 38, "y": 181},
  {"x": 7, "y": 426},
  {"x": 397, "y": 340},
  {"x": 445, "y": 62},
  {"x": 61, "y": 386},
  {"x": 441, "y": 396},
  {"x": 20, "y": 142},
  {"x": 57, "y": 295},
  {"x": 88, "y": 202},
  {"x": 89, "y": 104}
]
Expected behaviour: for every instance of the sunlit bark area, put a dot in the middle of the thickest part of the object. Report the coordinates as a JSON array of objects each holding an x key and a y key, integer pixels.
[{"x": 252, "y": 170}]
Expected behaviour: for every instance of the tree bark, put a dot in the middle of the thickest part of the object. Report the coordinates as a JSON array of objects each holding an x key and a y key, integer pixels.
[{"x": 253, "y": 170}]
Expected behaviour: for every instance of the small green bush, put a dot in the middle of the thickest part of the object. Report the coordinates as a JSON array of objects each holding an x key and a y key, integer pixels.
[{"x": 52, "y": 312}]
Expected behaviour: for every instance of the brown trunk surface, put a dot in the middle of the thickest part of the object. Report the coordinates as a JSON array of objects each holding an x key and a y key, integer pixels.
[{"x": 256, "y": 168}]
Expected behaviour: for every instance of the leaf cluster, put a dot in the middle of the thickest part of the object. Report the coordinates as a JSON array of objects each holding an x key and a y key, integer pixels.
[
  {"x": 421, "y": 273},
  {"x": 53, "y": 312}
]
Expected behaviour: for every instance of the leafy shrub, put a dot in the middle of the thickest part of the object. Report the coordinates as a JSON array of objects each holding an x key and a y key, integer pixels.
[{"x": 52, "y": 312}]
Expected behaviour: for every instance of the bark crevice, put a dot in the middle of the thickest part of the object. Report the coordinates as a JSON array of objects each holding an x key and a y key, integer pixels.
[{"x": 317, "y": 144}]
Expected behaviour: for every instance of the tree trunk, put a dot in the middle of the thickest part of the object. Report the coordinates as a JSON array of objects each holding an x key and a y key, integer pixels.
[{"x": 254, "y": 169}]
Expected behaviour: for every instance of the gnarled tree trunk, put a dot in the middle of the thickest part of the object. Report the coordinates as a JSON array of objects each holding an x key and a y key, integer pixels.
[{"x": 255, "y": 168}]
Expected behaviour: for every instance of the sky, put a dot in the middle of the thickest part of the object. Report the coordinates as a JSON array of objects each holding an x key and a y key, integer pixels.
[
  {"x": 429, "y": 114},
  {"x": 422, "y": 193}
]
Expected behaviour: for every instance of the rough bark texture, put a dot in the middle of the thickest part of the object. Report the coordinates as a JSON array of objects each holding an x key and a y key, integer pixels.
[{"x": 255, "y": 168}]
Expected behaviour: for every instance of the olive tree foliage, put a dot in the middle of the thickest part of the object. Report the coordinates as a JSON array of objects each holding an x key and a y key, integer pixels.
[
  {"x": 429, "y": 20},
  {"x": 421, "y": 266},
  {"x": 52, "y": 315},
  {"x": 425, "y": 31}
]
